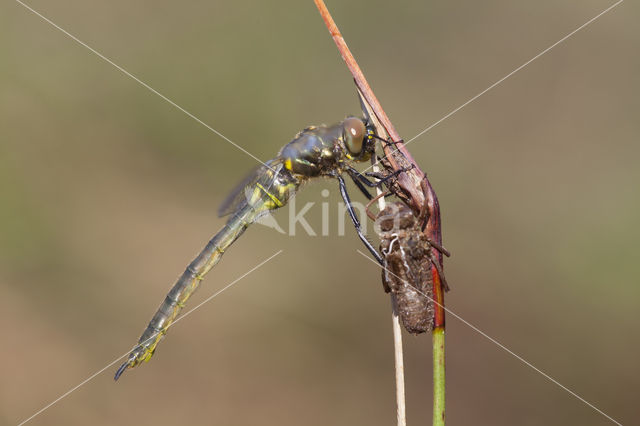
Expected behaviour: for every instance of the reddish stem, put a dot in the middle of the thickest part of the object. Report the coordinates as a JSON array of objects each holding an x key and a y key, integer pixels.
[
  {"x": 413, "y": 181},
  {"x": 370, "y": 97}
]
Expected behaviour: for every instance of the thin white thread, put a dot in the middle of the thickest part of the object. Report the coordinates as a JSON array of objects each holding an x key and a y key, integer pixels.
[
  {"x": 145, "y": 85},
  {"x": 260, "y": 161},
  {"x": 506, "y": 76},
  {"x": 515, "y": 71},
  {"x": 500, "y": 345},
  {"x": 88, "y": 379}
]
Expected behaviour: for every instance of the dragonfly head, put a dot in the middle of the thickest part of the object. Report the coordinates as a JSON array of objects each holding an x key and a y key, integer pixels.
[{"x": 358, "y": 139}]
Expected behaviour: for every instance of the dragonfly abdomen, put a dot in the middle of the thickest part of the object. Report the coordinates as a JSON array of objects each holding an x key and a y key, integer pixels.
[{"x": 198, "y": 268}]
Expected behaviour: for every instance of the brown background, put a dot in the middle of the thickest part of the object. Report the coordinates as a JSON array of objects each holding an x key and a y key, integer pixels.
[{"x": 108, "y": 191}]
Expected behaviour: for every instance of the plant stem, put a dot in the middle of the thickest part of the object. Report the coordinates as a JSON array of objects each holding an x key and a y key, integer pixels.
[
  {"x": 414, "y": 183},
  {"x": 409, "y": 180},
  {"x": 401, "y": 406},
  {"x": 438, "y": 376}
]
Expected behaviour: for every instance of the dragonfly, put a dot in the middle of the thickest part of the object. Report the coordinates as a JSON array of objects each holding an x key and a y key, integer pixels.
[{"x": 317, "y": 151}]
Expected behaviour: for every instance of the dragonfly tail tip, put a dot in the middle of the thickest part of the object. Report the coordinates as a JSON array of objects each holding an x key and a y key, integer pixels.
[{"x": 121, "y": 370}]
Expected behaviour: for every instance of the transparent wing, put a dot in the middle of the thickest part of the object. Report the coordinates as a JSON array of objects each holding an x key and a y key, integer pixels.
[{"x": 237, "y": 197}]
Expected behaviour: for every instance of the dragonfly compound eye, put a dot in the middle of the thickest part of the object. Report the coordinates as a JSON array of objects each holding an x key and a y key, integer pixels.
[{"x": 354, "y": 133}]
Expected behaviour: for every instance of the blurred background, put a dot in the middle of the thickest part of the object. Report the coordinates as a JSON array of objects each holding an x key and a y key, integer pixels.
[{"x": 107, "y": 192}]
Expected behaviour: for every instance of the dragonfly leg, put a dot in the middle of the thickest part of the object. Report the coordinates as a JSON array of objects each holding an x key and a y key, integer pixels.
[
  {"x": 359, "y": 179},
  {"x": 355, "y": 177},
  {"x": 388, "y": 142},
  {"x": 384, "y": 179},
  {"x": 436, "y": 264},
  {"x": 373, "y": 200},
  {"x": 440, "y": 248},
  {"x": 356, "y": 222},
  {"x": 362, "y": 178}
]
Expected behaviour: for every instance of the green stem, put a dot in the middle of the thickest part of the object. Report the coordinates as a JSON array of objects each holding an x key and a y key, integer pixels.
[{"x": 438, "y": 376}]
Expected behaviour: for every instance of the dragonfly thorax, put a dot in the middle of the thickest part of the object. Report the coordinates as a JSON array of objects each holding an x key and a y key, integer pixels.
[{"x": 322, "y": 150}]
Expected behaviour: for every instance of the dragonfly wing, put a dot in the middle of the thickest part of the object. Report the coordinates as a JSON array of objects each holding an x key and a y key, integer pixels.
[
  {"x": 366, "y": 108},
  {"x": 262, "y": 179},
  {"x": 237, "y": 197}
]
